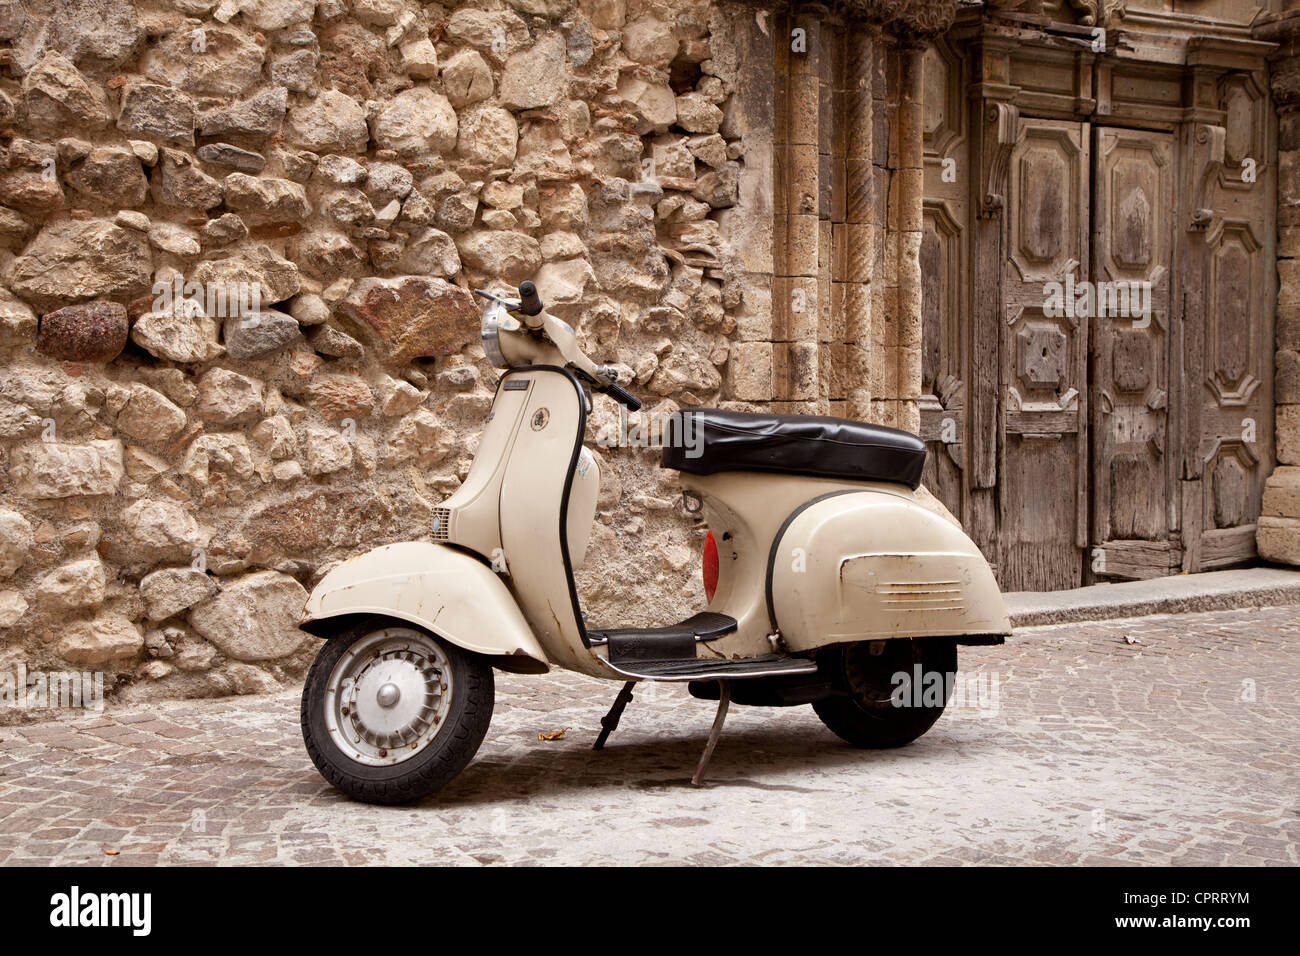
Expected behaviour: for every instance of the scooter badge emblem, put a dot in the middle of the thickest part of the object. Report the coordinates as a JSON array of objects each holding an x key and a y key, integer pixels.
[{"x": 540, "y": 418}]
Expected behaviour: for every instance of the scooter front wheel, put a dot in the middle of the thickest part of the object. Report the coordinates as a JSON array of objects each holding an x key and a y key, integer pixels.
[
  {"x": 391, "y": 714},
  {"x": 889, "y": 692}
]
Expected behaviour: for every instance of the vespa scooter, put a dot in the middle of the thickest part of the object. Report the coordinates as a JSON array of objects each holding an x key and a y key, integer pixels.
[{"x": 829, "y": 580}]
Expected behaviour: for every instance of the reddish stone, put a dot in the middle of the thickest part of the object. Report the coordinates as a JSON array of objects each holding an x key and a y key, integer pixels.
[
  {"x": 407, "y": 317},
  {"x": 341, "y": 396},
  {"x": 88, "y": 332},
  {"x": 140, "y": 305},
  {"x": 314, "y": 523}
]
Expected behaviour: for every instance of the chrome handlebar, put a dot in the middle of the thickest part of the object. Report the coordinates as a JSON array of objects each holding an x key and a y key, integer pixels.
[{"x": 530, "y": 309}]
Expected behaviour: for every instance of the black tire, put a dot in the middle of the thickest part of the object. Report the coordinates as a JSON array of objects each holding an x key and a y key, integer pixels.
[
  {"x": 446, "y": 754},
  {"x": 864, "y": 710}
]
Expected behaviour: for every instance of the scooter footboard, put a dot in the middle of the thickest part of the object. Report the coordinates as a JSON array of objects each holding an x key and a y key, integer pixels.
[
  {"x": 872, "y": 565},
  {"x": 444, "y": 591}
]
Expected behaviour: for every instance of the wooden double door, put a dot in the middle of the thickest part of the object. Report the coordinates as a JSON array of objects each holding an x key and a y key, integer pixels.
[{"x": 1133, "y": 361}]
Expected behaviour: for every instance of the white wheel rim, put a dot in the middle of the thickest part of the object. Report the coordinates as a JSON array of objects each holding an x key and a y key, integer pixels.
[{"x": 388, "y": 696}]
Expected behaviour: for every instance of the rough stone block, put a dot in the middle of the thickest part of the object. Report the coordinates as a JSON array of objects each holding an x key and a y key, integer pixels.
[
  {"x": 749, "y": 371},
  {"x": 1288, "y": 434},
  {"x": 1278, "y": 539},
  {"x": 1282, "y": 492}
]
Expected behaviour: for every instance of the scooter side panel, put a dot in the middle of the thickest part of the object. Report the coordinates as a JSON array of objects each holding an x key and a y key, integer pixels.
[
  {"x": 871, "y": 566},
  {"x": 533, "y": 491},
  {"x": 745, "y": 511},
  {"x": 432, "y": 586}
]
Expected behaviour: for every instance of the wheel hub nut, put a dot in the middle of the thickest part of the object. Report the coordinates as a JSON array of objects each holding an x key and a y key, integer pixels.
[{"x": 388, "y": 695}]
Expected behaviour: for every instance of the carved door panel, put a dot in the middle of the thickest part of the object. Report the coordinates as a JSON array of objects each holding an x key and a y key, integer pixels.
[
  {"x": 1235, "y": 408},
  {"x": 944, "y": 286},
  {"x": 1043, "y": 482},
  {"x": 1229, "y": 320},
  {"x": 1135, "y": 504},
  {"x": 942, "y": 389}
]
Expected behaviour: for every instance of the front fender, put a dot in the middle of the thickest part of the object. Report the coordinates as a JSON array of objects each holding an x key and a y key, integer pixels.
[{"x": 444, "y": 591}]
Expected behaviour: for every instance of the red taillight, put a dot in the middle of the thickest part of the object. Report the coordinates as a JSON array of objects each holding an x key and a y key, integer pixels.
[{"x": 710, "y": 568}]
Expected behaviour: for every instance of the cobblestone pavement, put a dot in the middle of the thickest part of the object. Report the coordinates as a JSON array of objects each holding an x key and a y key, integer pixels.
[{"x": 1180, "y": 749}]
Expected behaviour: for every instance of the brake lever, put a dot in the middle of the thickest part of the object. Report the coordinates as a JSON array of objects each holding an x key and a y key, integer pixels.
[
  {"x": 621, "y": 395},
  {"x": 611, "y": 388}
]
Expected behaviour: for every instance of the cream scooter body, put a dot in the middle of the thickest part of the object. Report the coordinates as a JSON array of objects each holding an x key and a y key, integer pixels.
[
  {"x": 817, "y": 561},
  {"x": 849, "y": 561},
  {"x": 804, "y": 562}
]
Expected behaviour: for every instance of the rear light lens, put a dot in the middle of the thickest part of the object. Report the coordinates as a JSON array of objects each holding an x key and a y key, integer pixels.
[{"x": 710, "y": 568}]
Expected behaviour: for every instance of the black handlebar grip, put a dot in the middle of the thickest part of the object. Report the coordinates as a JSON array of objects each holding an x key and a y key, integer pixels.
[
  {"x": 623, "y": 397},
  {"x": 530, "y": 303}
]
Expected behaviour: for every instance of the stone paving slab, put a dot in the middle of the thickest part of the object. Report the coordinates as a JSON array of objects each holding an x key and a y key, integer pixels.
[{"x": 1179, "y": 748}]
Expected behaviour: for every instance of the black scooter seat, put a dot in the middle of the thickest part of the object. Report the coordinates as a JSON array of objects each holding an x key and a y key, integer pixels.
[{"x": 703, "y": 441}]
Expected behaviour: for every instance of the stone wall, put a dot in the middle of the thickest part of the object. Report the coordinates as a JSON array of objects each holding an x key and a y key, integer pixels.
[
  {"x": 179, "y": 464},
  {"x": 1278, "y": 534},
  {"x": 236, "y": 241}
]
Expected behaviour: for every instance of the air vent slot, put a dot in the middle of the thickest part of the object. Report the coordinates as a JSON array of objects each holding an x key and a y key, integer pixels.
[
  {"x": 440, "y": 526},
  {"x": 922, "y": 595}
]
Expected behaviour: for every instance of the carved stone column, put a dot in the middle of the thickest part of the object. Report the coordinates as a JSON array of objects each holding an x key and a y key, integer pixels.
[
  {"x": 848, "y": 207},
  {"x": 859, "y": 216},
  {"x": 795, "y": 352},
  {"x": 910, "y": 197},
  {"x": 1278, "y": 530}
]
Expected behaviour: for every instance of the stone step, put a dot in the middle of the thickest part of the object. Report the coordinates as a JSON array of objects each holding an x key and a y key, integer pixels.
[{"x": 1182, "y": 593}]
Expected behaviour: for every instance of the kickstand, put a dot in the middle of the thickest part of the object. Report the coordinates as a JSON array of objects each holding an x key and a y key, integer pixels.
[
  {"x": 724, "y": 698},
  {"x": 610, "y": 721}
]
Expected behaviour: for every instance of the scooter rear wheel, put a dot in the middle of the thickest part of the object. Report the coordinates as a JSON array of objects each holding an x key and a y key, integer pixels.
[
  {"x": 391, "y": 714},
  {"x": 874, "y": 707}
]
